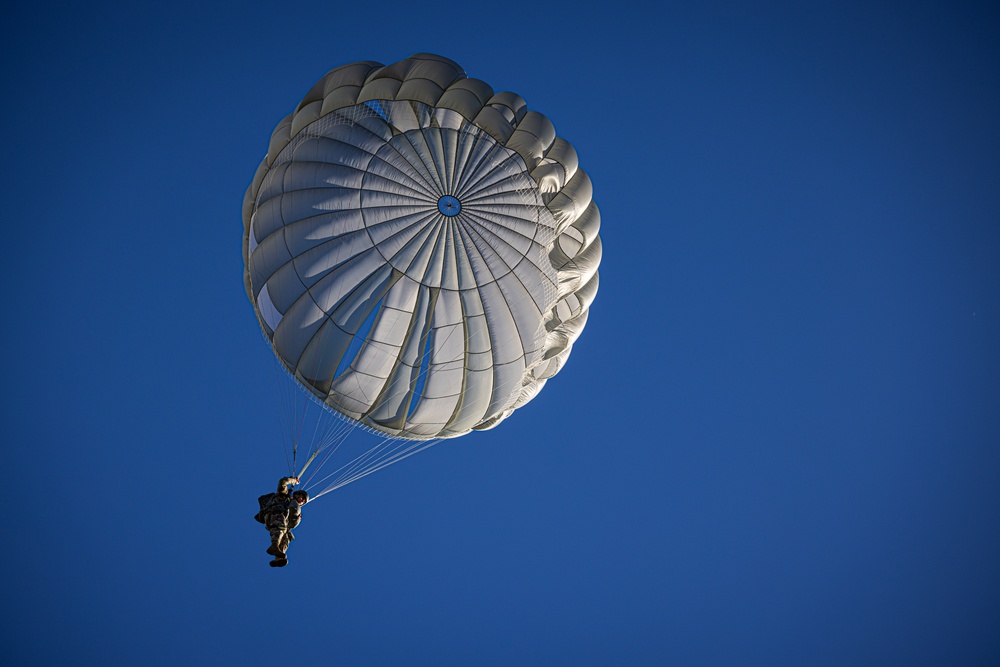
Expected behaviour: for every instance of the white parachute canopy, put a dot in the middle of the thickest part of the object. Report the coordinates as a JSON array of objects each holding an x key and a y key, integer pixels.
[{"x": 421, "y": 252}]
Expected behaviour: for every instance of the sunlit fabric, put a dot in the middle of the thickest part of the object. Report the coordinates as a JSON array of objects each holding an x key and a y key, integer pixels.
[{"x": 421, "y": 252}]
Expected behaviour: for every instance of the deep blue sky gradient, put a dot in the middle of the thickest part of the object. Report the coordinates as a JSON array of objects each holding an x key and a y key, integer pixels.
[{"x": 776, "y": 443}]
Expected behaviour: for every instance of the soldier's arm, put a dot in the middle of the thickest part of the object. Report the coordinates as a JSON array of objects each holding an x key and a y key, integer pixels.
[
  {"x": 285, "y": 484},
  {"x": 294, "y": 515}
]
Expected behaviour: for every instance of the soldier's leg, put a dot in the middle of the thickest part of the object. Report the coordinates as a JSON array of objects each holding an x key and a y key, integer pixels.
[
  {"x": 278, "y": 528},
  {"x": 279, "y": 545},
  {"x": 286, "y": 539}
]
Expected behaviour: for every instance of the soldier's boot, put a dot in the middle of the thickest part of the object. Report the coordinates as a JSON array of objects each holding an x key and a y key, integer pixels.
[
  {"x": 279, "y": 561},
  {"x": 274, "y": 550}
]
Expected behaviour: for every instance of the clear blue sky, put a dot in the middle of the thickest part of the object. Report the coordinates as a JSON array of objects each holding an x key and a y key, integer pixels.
[{"x": 776, "y": 443}]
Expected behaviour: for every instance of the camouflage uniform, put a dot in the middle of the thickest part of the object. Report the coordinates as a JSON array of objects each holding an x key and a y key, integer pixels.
[{"x": 280, "y": 513}]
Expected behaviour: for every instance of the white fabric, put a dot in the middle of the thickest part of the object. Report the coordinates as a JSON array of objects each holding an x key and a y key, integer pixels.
[{"x": 461, "y": 318}]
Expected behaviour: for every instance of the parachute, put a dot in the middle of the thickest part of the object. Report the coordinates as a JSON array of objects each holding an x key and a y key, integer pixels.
[{"x": 421, "y": 252}]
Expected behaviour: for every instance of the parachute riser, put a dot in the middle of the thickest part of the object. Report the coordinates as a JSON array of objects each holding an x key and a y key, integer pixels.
[{"x": 308, "y": 461}]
